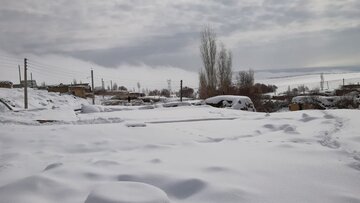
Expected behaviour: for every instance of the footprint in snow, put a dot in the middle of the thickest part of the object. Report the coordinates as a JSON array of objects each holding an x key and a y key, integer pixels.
[
  {"x": 52, "y": 166},
  {"x": 133, "y": 125}
]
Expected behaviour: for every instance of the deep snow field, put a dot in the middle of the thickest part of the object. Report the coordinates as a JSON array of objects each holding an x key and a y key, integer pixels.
[{"x": 196, "y": 154}]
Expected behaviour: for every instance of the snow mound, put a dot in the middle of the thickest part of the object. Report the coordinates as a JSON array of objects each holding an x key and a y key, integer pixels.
[
  {"x": 37, "y": 188},
  {"x": 231, "y": 101},
  {"x": 176, "y": 104},
  {"x": 127, "y": 192},
  {"x": 91, "y": 109}
]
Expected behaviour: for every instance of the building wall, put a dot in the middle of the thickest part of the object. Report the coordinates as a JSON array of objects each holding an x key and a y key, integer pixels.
[
  {"x": 78, "y": 91},
  {"x": 6, "y": 84},
  {"x": 61, "y": 89}
]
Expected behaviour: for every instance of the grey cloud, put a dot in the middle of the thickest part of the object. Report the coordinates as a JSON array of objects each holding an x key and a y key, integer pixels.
[
  {"x": 162, "y": 50},
  {"x": 160, "y": 32},
  {"x": 303, "y": 51}
]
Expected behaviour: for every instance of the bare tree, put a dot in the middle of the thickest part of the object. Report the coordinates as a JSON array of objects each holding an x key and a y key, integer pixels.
[
  {"x": 303, "y": 88},
  {"x": 154, "y": 92},
  {"x": 115, "y": 86},
  {"x": 165, "y": 93},
  {"x": 203, "y": 93},
  {"x": 208, "y": 56},
  {"x": 123, "y": 88},
  {"x": 188, "y": 92},
  {"x": 245, "y": 78},
  {"x": 138, "y": 86},
  {"x": 224, "y": 67}
]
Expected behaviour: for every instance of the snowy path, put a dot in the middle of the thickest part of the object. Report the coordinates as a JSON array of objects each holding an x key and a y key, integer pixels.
[{"x": 308, "y": 156}]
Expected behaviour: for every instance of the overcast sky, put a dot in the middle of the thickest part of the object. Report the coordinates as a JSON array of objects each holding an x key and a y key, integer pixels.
[{"x": 263, "y": 34}]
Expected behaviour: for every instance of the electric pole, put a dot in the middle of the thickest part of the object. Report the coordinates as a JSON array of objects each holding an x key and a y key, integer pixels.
[
  {"x": 19, "y": 74},
  {"x": 111, "y": 88},
  {"x": 92, "y": 86},
  {"x": 181, "y": 93},
  {"x": 102, "y": 84},
  {"x": 169, "y": 85},
  {"x": 31, "y": 80},
  {"x": 25, "y": 84},
  {"x": 322, "y": 81}
]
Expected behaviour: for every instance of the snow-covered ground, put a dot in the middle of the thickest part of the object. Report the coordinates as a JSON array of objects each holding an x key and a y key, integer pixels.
[
  {"x": 312, "y": 81},
  {"x": 182, "y": 154},
  {"x": 41, "y": 99}
]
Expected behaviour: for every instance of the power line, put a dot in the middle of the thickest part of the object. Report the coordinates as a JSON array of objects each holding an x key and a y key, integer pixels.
[
  {"x": 131, "y": 80},
  {"x": 11, "y": 57},
  {"x": 10, "y": 67},
  {"x": 37, "y": 63},
  {"x": 9, "y": 63},
  {"x": 10, "y": 60},
  {"x": 53, "y": 71},
  {"x": 48, "y": 73},
  {"x": 53, "y": 75},
  {"x": 12, "y": 63},
  {"x": 109, "y": 76},
  {"x": 46, "y": 68}
]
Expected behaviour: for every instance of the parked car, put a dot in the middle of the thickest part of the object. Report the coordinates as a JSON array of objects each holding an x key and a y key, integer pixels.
[{"x": 231, "y": 101}]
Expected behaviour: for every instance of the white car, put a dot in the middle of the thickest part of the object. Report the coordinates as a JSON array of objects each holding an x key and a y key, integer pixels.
[{"x": 231, "y": 101}]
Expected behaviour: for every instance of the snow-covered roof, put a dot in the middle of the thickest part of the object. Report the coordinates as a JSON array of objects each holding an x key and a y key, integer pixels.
[
  {"x": 218, "y": 98},
  {"x": 324, "y": 101},
  {"x": 5, "y": 82}
]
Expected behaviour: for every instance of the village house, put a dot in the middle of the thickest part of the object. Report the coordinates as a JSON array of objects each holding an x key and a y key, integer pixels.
[
  {"x": 6, "y": 84},
  {"x": 80, "y": 90},
  {"x": 312, "y": 102},
  {"x": 345, "y": 89},
  {"x": 30, "y": 84}
]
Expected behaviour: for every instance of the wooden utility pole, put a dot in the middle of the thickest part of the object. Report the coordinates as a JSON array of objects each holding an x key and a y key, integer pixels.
[
  {"x": 31, "y": 80},
  {"x": 181, "y": 92},
  {"x": 111, "y": 87},
  {"x": 92, "y": 86},
  {"x": 25, "y": 84},
  {"x": 19, "y": 74},
  {"x": 322, "y": 81}
]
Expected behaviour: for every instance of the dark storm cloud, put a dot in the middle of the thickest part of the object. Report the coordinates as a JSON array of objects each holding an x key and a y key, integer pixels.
[{"x": 261, "y": 33}]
